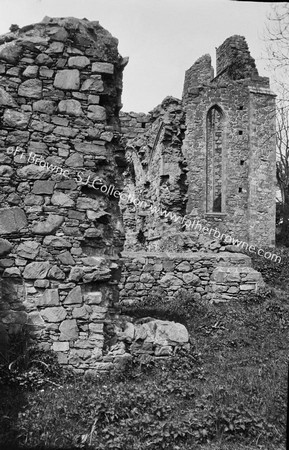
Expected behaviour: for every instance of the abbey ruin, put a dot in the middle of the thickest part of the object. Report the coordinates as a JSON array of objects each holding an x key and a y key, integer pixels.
[{"x": 72, "y": 250}]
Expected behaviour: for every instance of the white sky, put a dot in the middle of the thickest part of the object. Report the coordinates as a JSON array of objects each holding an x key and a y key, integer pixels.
[{"x": 163, "y": 38}]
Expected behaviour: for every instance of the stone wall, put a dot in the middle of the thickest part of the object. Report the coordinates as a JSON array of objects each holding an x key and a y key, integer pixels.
[
  {"x": 60, "y": 89},
  {"x": 61, "y": 143},
  {"x": 209, "y": 157},
  {"x": 213, "y": 277},
  {"x": 134, "y": 124},
  {"x": 156, "y": 178},
  {"x": 244, "y": 145}
]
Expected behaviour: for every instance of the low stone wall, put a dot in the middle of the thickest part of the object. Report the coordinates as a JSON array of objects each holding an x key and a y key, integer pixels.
[{"x": 209, "y": 276}]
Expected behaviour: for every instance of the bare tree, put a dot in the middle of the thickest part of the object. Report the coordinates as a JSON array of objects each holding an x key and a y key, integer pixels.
[
  {"x": 282, "y": 169},
  {"x": 277, "y": 39}
]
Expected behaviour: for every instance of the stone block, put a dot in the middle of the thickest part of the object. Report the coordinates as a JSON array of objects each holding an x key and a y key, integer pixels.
[
  {"x": 12, "y": 220},
  {"x": 48, "y": 226},
  {"x": 45, "y": 72},
  {"x": 28, "y": 249},
  {"x": 56, "y": 48},
  {"x": 96, "y": 328},
  {"x": 169, "y": 281},
  {"x": 67, "y": 132},
  {"x": 43, "y": 187},
  {"x": 81, "y": 313},
  {"x": 56, "y": 273},
  {"x": 87, "y": 203},
  {"x": 10, "y": 52},
  {"x": 183, "y": 267},
  {"x": 233, "y": 290},
  {"x": 6, "y": 171},
  {"x": 78, "y": 355},
  {"x": 66, "y": 258},
  {"x": 96, "y": 113},
  {"x": 93, "y": 298},
  {"x": 168, "y": 265},
  {"x": 16, "y": 119},
  {"x": 56, "y": 242},
  {"x": 6, "y": 262},
  {"x": 44, "y": 106},
  {"x": 50, "y": 297},
  {"x": 70, "y": 107},
  {"x": 75, "y": 160},
  {"x": 93, "y": 99},
  {"x": 60, "y": 346},
  {"x": 32, "y": 172},
  {"x": 147, "y": 278},
  {"x": 74, "y": 296},
  {"x": 36, "y": 270},
  {"x": 17, "y": 137},
  {"x": 67, "y": 79},
  {"x": 43, "y": 60},
  {"x": 62, "y": 358},
  {"x": 35, "y": 319},
  {"x": 58, "y": 33},
  {"x": 54, "y": 314},
  {"x": 101, "y": 67},
  {"x": 76, "y": 273},
  {"x": 191, "y": 278},
  {"x": 30, "y": 72},
  {"x": 89, "y": 148},
  {"x": 78, "y": 62},
  {"x": 98, "y": 312},
  {"x": 62, "y": 200},
  {"x": 248, "y": 287},
  {"x": 6, "y": 99},
  {"x": 41, "y": 283},
  {"x": 93, "y": 84},
  {"x": 5, "y": 247},
  {"x": 69, "y": 330},
  {"x": 39, "y": 148},
  {"x": 31, "y": 88}
]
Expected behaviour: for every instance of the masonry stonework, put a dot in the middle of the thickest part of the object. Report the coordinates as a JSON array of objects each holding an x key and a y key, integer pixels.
[
  {"x": 60, "y": 94},
  {"x": 208, "y": 157},
  {"x": 231, "y": 123},
  {"x": 215, "y": 148},
  {"x": 216, "y": 277},
  {"x": 206, "y": 160}
]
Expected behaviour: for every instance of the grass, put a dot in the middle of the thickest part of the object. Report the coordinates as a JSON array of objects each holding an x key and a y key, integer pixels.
[{"x": 228, "y": 393}]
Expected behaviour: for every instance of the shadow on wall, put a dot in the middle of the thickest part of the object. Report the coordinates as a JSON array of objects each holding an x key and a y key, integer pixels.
[{"x": 14, "y": 341}]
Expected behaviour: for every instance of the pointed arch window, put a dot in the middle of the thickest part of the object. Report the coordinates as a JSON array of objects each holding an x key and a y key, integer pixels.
[{"x": 214, "y": 160}]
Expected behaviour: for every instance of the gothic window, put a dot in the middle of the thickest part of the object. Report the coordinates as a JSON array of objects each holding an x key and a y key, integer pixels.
[{"x": 214, "y": 185}]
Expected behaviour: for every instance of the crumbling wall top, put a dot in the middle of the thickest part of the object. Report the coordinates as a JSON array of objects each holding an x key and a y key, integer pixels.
[
  {"x": 80, "y": 33},
  {"x": 234, "y": 56},
  {"x": 200, "y": 72}
]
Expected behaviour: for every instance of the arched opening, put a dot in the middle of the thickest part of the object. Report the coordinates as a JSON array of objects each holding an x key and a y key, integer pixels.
[{"x": 214, "y": 160}]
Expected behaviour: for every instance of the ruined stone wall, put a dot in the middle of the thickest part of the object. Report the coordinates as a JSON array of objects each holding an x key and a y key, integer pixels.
[
  {"x": 134, "y": 124},
  {"x": 211, "y": 160},
  {"x": 156, "y": 178},
  {"x": 60, "y": 88},
  {"x": 234, "y": 57},
  {"x": 246, "y": 146},
  {"x": 202, "y": 276}
]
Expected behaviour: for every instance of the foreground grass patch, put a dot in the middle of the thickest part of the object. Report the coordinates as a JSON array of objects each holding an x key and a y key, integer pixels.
[{"x": 228, "y": 393}]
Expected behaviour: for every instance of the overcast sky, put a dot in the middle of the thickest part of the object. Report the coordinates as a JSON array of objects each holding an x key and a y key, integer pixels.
[{"x": 163, "y": 38}]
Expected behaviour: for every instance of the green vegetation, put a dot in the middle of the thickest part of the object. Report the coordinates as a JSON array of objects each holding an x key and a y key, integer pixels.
[{"x": 228, "y": 393}]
